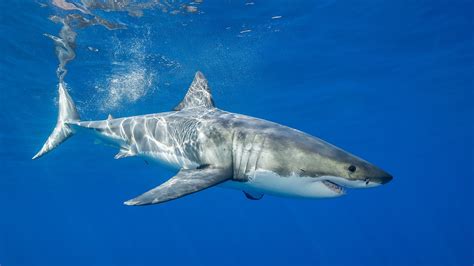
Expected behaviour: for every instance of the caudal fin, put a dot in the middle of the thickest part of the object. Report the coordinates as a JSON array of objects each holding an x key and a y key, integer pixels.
[{"x": 62, "y": 131}]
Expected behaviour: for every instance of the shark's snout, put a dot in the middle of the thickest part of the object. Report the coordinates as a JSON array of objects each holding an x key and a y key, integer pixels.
[
  {"x": 381, "y": 178},
  {"x": 384, "y": 179}
]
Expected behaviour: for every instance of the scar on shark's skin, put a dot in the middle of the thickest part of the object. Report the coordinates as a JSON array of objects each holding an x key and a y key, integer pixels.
[{"x": 213, "y": 147}]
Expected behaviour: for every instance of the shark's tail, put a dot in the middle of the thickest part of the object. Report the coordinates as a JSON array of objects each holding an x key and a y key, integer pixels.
[{"x": 62, "y": 131}]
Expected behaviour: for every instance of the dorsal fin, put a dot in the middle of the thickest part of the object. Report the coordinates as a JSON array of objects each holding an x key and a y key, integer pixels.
[
  {"x": 110, "y": 117},
  {"x": 198, "y": 95}
]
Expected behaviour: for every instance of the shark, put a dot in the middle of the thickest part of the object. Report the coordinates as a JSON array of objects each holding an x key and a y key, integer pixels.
[{"x": 212, "y": 147}]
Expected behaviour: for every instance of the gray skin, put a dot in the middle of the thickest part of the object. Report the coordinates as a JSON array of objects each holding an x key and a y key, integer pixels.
[{"x": 215, "y": 147}]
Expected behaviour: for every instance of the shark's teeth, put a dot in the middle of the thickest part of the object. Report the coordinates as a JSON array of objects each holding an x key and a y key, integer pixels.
[{"x": 334, "y": 187}]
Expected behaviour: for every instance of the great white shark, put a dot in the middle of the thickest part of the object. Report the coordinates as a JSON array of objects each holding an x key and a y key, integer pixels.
[{"x": 213, "y": 147}]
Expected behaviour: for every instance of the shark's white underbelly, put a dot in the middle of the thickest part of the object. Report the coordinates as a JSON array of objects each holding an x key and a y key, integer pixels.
[
  {"x": 260, "y": 181},
  {"x": 268, "y": 182}
]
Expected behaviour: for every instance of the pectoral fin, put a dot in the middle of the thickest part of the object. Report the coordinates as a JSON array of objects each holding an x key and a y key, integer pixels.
[{"x": 182, "y": 184}]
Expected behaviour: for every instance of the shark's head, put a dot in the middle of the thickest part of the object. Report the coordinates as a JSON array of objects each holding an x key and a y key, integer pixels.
[
  {"x": 353, "y": 172},
  {"x": 332, "y": 166}
]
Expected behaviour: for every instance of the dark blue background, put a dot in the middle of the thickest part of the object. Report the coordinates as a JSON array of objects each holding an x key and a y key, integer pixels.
[{"x": 390, "y": 81}]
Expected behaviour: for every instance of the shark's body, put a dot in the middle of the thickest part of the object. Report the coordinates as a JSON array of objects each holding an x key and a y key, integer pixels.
[{"x": 215, "y": 147}]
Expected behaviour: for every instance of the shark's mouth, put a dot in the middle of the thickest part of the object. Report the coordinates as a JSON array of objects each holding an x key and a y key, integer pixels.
[{"x": 334, "y": 187}]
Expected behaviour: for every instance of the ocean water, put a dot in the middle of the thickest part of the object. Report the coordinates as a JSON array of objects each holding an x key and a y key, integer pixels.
[{"x": 390, "y": 81}]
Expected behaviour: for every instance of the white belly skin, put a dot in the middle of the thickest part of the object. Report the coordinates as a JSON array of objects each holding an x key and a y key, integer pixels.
[{"x": 268, "y": 182}]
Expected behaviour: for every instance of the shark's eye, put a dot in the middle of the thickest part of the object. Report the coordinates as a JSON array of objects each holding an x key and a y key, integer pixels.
[{"x": 352, "y": 168}]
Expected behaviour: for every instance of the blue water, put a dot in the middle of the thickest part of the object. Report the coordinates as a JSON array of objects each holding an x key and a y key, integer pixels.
[{"x": 390, "y": 81}]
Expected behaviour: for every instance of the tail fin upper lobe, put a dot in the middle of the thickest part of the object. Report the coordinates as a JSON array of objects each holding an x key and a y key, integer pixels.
[{"x": 62, "y": 131}]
